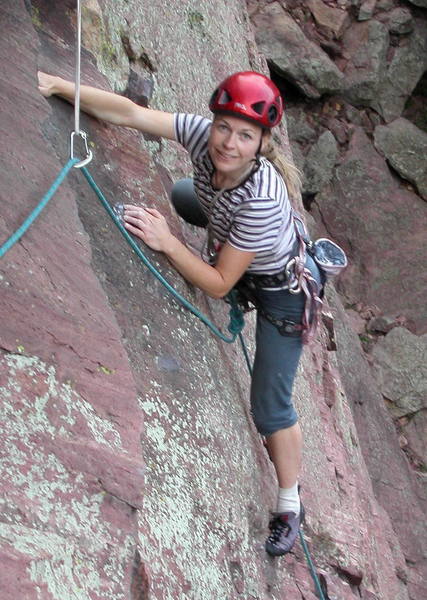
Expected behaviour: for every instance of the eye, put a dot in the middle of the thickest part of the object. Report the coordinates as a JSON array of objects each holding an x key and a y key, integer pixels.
[{"x": 246, "y": 136}]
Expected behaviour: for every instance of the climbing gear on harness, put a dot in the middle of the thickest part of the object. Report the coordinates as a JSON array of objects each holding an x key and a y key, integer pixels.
[
  {"x": 330, "y": 258},
  {"x": 251, "y": 96},
  {"x": 247, "y": 300},
  {"x": 328, "y": 255},
  {"x": 284, "y": 528}
]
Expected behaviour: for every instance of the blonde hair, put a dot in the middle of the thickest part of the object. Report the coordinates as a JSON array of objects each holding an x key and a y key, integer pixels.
[{"x": 290, "y": 173}]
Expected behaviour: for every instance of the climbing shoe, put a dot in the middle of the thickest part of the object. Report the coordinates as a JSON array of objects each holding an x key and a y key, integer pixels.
[{"x": 284, "y": 529}]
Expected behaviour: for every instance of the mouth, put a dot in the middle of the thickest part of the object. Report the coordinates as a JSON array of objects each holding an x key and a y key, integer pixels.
[{"x": 224, "y": 156}]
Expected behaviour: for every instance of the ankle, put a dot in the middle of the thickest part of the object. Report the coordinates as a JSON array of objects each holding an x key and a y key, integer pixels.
[{"x": 288, "y": 500}]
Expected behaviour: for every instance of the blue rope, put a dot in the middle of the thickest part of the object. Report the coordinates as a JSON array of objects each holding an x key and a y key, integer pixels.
[
  {"x": 35, "y": 213},
  {"x": 236, "y": 317},
  {"x": 311, "y": 566}
]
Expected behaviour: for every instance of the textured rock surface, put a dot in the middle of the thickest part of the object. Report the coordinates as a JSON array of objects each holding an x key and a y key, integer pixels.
[
  {"x": 365, "y": 208},
  {"x": 130, "y": 466},
  {"x": 405, "y": 148},
  {"x": 319, "y": 163},
  {"x": 366, "y": 45},
  {"x": 292, "y": 54},
  {"x": 401, "y": 370}
]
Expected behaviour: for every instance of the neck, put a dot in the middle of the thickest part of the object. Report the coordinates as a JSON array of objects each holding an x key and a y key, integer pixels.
[{"x": 230, "y": 180}]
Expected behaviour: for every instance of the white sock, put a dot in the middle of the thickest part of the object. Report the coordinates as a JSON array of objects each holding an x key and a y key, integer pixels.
[{"x": 288, "y": 500}]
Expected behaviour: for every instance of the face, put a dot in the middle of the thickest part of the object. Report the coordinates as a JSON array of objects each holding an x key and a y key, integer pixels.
[{"x": 233, "y": 144}]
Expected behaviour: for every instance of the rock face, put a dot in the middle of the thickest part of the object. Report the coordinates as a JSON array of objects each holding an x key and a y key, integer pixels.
[
  {"x": 364, "y": 207},
  {"x": 405, "y": 148},
  {"x": 130, "y": 466},
  {"x": 293, "y": 54},
  {"x": 400, "y": 365},
  {"x": 360, "y": 144}
]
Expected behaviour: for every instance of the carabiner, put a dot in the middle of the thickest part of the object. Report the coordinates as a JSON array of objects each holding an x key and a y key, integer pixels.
[
  {"x": 293, "y": 286},
  {"x": 89, "y": 155}
]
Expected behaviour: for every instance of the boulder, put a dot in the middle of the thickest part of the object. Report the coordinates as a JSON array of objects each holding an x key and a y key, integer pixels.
[
  {"x": 385, "y": 5},
  {"x": 405, "y": 148},
  {"x": 400, "y": 367},
  {"x": 365, "y": 45},
  {"x": 400, "y": 21},
  {"x": 382, "y": 324},
  {"x": 292, "y": 55},
  {"x": 403, "y": 72},
  {"x": 328, "y": 18},
  {"x": 415, "y": 431},
  {"x": 365, "y": 207},
  {"x": 299, "y": 129},
  {"x": 420, "y": 3},
  {"x": 366, "y": 10},
  {"x": 319, "y": 163}
]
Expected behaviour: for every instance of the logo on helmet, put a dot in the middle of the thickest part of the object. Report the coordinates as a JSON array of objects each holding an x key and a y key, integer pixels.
[{"x": 239, "y": 105}]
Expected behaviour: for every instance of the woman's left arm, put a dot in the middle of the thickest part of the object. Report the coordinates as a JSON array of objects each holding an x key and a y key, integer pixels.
[{"x": 151, "y": 227}]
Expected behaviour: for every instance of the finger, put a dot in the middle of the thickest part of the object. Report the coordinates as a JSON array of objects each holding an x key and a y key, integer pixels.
[
  {"x": 136, "y": 220},
  {"x": 154, "y": 212},
  {"x": 135, "y": 230}
]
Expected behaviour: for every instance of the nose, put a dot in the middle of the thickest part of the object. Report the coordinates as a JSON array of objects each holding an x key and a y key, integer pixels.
[{"x": 230, "y": 140}]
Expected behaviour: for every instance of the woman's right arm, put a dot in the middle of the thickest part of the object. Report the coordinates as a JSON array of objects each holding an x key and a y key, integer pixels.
[{"x": 110, "y": 107}]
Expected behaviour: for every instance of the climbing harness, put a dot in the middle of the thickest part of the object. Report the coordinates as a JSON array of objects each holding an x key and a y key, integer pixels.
[{"x": 236, "y": 313}]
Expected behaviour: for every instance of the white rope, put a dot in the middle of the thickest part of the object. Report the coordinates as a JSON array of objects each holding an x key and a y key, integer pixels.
[
  {"x": 77, "y": 131},
  {"x": 78, "y": 62}
]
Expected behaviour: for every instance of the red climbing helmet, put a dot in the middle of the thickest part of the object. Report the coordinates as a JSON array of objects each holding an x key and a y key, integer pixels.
[{"x": 249, "y": 95}]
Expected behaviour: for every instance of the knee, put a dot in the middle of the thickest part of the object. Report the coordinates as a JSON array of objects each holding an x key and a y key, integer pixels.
[
  {"x": 186, "y": 203},
  {"x": 267, "y": 424},
  {"x": 182, "y": 189}
]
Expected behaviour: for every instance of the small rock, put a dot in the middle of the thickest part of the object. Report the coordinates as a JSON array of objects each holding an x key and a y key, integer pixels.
[
  {"x": 352, "y": 573},
  {"x": 356, "y": 322},
  {"x": 328, "y": 18},
  {"x": 382, "y": 324},
  {"x": 401, "y": 21},
  {"x": 366, "y": 10},
  {"x": 385, "y": 4},
  {"x": 405, "y": 148},
  {"x": 299, "y": 130},
  {"x": 139, "y": 89},
  {"x": 402, "y": 441},
  {"x": 401, "y": 370},
  {"x": 420, "y": 3}
]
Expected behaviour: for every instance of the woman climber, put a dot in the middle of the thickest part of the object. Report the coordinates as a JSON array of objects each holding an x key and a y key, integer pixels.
[{"x": 239, "y": 193}]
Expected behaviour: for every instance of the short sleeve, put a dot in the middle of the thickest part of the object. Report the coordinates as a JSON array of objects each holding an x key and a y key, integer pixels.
[{"x": 192, "y": 132}]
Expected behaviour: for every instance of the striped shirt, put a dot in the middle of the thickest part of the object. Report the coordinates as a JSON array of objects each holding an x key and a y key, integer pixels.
[{"x": 256, "y": 216}]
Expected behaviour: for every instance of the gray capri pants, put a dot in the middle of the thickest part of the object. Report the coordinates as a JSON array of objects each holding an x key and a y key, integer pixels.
[{"x": 276, "y": 356}]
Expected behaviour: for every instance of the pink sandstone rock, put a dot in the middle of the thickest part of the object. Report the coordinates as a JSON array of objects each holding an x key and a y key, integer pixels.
[{"x": 130, "y": 465}]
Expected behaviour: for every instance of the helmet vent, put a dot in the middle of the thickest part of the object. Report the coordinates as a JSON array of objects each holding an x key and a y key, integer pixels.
[
  {"x": 272, "y": 114},
  {"x": 224, "y": 97},
  {"x": 258, "y": 107}
]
